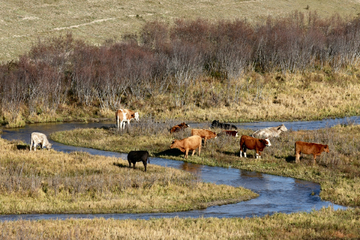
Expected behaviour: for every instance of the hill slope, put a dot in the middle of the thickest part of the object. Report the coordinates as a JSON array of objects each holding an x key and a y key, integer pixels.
[{"x": 23, "y": 22}]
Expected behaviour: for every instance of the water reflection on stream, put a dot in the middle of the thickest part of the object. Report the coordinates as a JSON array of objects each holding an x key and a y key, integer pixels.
[{"x": 277, "y": 194}]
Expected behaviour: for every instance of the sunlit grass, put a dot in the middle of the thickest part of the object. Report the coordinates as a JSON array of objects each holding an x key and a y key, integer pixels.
[
  {"x": 323, "y": 224},
  {"x": 338, "y": 171},
  {"x": 54, "y": 182}
]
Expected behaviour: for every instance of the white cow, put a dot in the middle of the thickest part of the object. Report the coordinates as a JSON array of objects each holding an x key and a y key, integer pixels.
[
  {"x": 125, "y": 115},
  {"x": 39, "y": 138},
  {"x": 270, "y": 132}
]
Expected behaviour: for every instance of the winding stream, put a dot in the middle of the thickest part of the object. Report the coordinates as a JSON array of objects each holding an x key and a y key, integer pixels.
[{"x": 277, "y": 194}]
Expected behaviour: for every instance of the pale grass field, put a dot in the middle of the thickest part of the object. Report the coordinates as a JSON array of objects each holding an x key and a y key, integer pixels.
[
  {"x": 55, "y": 182},
  {"x": 22, "y": 23},
  {"x": 323, "y": 224}
]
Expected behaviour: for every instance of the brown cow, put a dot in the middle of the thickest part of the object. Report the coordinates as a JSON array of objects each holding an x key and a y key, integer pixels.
[
  {"x": 232, "y": 133},
  {"x": 125, "y": 115},
  {"x": 203, "y": 133},
  {"x": 309, "y": 148},
  {"x": 186, "y": 144},
  {"x": 179, "y": 127},
  {"x": 247, "y": 142}
]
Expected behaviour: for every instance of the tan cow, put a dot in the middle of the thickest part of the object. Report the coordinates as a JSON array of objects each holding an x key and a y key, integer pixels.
[
  {"x": 125, "y": 115},
  {"x": 247, "y": 142},
  {"x": 203, "y": 133},
  {"x": 270, "y": 132},
  {"x": 309, "y": 148},
  {"x": 187, "y": 144},
  {"x": 39, "y": 138}
]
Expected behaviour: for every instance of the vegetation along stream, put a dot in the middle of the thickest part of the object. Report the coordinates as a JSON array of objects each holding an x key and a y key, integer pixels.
[{"x": 277, "y": 194}]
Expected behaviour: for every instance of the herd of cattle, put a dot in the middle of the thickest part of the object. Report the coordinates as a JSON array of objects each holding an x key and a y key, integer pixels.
[{"x": 257, "y": 141}]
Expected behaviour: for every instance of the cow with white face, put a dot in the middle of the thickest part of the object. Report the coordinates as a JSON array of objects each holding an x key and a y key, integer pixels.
[
  {"x": 247, "y": 142},
  {"x": 39, "y": 138},
  {"x": 125, "y": 115}
]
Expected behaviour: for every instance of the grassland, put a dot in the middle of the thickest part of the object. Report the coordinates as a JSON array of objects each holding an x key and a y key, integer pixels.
[
  {"x": 323, "y": 224},
  {"x": 55, "y": 182},
  {"x": 337, "y": 171},
  {"x": 22, "y": 23}
]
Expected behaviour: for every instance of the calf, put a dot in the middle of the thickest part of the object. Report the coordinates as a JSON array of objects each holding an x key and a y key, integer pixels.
[
  {"x": 187, "y": 144},
  {"x": 138, "y": 156},
  {"x": 247, "y": 142},
  {"x": 39, "y": 138},
  {"x": 309, "y": 148},
  {"x": 203, "y": 133},
  {"x": 217, "y": 124},
  {"x": 179, "y": 127}
]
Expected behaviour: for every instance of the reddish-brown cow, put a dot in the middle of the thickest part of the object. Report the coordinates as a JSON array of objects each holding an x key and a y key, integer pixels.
[
  {"x": 203, "y": 133},
  {"x": 247, "y": 142},
  {"x": 179, "y": 127},
  {"x": 232, "y": 133},
  {"x": 187, "y": 144},
  {"x": 309, "y": 148}
]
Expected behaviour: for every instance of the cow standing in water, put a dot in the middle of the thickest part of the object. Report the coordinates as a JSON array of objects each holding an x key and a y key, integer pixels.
[
  {"x": 39, "y": 138},
  {"x": 125, "y": 115},
  {"x": 309, "y": 148},
  {"x": 247, "y": 142}
]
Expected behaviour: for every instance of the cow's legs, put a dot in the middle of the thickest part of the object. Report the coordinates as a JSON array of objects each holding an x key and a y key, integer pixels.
[
  {"x": 134, "y": 164},
  {"x": 297, "y": 158},
  {"x": 199, "y": 150},
  {"x": 193, "y": 153},
  {"x": 314, "y": 160},
  {"x": 145, "y": 163}
]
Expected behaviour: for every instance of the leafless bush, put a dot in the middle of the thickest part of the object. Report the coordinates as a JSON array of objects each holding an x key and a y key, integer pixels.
[{"x": 169, "y": 59}]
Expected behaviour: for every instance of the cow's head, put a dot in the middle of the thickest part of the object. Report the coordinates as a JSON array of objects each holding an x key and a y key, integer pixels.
[
  {"x": 48, "y": 145},
  {"x": 282, "y": 128},
  {"x": 173, "y": 144},
  {"x": 136, "y": 116},
  {"x": 267, "y": 142},
  {"x": 326, "y": 148}
]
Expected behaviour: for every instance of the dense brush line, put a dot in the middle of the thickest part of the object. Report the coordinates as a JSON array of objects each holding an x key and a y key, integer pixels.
[{"x": 169, "y": 59}]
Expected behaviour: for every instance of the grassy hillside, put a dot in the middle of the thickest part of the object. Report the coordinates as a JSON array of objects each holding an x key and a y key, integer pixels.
[{"x": 23, "y": 22}]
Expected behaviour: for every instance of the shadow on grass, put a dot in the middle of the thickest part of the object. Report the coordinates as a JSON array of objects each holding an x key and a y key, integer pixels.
[
  {"x": 23, "y": 147},
  {"x": 290, "y": 159},
  {"x": 171, "y": 152},
  {"x": 121, "y": 165},
  {"x": 229, "y": 153}
]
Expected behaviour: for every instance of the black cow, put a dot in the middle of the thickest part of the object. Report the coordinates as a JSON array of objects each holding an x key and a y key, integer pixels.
[
  {"x": 138, "y": 156},
  {"x": 217, "y": 124}
]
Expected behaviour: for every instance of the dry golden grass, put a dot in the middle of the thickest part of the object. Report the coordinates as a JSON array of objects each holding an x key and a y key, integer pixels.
[
  {"x": 23, "y": 22},
  {"x": 54, "y": 182},
  {"x": 323, "y": 224},
  {"x": 337, "y": 171}
]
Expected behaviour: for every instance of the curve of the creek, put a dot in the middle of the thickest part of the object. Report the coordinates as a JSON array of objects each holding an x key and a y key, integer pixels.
[{"x": 276, "y": 193}]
